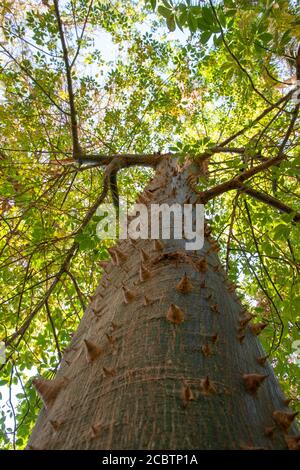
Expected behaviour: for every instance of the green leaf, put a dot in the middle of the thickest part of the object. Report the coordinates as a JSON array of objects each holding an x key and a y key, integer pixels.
[
  {"x": 218, "y": 40},
  {"x": 168, "y": 4},
  {"x": 171, "y": 23},
  {"x": 208, "y": 16},
  {"x": 192, "y": 22},
  {"x": 205, "y": 36},
  {"x": 266, "y": 37},
  {"x": 165, "y": 12}
]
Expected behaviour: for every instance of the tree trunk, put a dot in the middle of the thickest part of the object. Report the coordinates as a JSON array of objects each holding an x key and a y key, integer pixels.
[{"x": 164, "y": 365}]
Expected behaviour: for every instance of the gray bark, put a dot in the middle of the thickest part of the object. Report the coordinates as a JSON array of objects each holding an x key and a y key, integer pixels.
[{"x": 155, "y": 384}]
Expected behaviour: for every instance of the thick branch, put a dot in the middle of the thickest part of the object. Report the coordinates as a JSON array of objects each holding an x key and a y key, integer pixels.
[
  {"x": 271, "y": 201},
  {"x": 124, "y": 160},
  {"x": 237, "y": 181},
  {"x": 73, "y": 114}
]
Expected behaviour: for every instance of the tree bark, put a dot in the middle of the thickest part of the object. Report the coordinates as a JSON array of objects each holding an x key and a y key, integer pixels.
[{"x": 139, "y": 375}]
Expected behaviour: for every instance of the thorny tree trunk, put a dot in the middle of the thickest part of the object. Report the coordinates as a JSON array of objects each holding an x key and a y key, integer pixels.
[{"x": 139, "y": 375}]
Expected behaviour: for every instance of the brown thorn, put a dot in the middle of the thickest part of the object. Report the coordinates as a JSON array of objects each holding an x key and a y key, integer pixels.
[
  {"x": 257, "y": 328},
  {"x": 186, "y": 394},
  {"x": 158, "y": 245},
  {"x": 92, "y": 350},
  {"x": 207, "y": 387},
  {"x": 214, "y": 338},
  {"x": 293, "y": 442},
  {"x": 144, "y": 256},
  {"x": 49, "y": 389},
  {"x": 241, "y": 337},
  {"x": 55, "y": 424},
  {"x": 269, "y": 431},
  {"x": 243, "y": 321},
  {"x": 128, "y": 295},
  {"x": 109, "y": 372},
  {"x": 252, "y": 382},
  {"x": 95, "y": 430},
  {"x": 201, "y": 265},
  {"x": 206, "y": 350},
  {"x": 103, "y": 264},
  {"x": 215, "y": 308},
  {"x": 144, "y": 273},
  {"x": 262, "y": 360},
  {"x": 184, "y": 286},
  {"x": 175, "y": 314},
  {"x": 284, "y": 419},
  {"x": 120, "y": 257},
  {"x": 110, "y": 338}
]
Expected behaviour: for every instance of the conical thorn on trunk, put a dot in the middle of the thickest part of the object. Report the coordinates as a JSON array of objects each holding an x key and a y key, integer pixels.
[
  {"x": 128, "y": 295},
  {"x": 207, "y": 387},
  {"x": 112, "y": 254},
  {"x": 144, "y": 273},
  {"x": 121, "y": 258},
  {"x": 252, "y": 382},
  {"x": 175, "y": 314},
  {"x": 110, "y": 339},
  {"x": 240, "y": 337},
  {"x": 257, "y": 328},
  {"x": 95, "y": 430},
  {"x": 245, "y": 320},
  {"x": 184, "y": 286},
  {"x": 103, "y": 264},
  {"x": 144, "y": 256},
  {"x": 214, "y": 338},
  {"x": 293, "y": 442},
  {"x": 186, "y": 394},
  {"x": 262, "y": 360},
  {"x": 109, "y": 371},
  {"x": 92, "y": 350},
  {"x": 215, "y": 308},
  {"x": 56, "y": 425},
  {"x": 284, "y": 419},
  {"x": 49, "y": 389},
  {"x": 206, "y": 350},
  {"x": 201, "y": 265},
  {"x": 158, "y": 245},
  {"x": 269, "y": 431}
]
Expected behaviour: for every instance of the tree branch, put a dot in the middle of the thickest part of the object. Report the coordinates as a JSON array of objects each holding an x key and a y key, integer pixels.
[
  {"x": 53, "y": 330},
  {"x": 271, "y": 201},
  {"x": 34, "y": 81},
  {"x": 73, "y": 115},
  {"x": 237, "y": 181},
  {"x": 125, "y": 160},
  {"x": 64, "y": 267},
  {"x": 213, "y": 150},
  {"x": 235, "y": 57}
]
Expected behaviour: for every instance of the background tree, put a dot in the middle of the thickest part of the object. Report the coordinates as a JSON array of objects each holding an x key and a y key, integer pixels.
[{"x": 223, "y": 95}]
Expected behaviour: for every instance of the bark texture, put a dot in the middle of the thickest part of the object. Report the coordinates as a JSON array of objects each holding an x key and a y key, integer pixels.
[{"x": 165, "y": 356}]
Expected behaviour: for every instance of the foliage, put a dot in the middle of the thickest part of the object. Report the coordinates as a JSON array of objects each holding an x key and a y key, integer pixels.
[{"x": 180, "y": 80}]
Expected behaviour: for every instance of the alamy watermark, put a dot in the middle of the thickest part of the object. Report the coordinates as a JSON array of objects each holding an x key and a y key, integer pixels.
[{"x": 180, "y": 221}]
